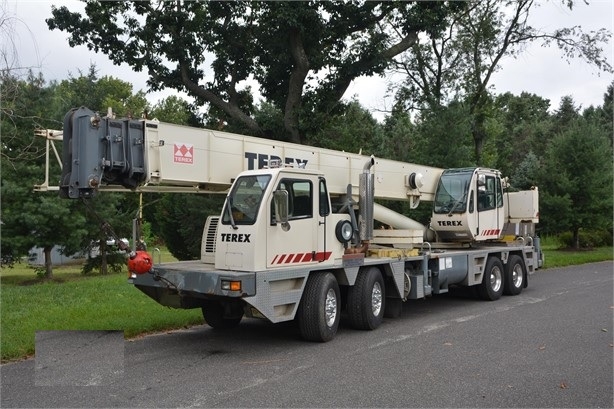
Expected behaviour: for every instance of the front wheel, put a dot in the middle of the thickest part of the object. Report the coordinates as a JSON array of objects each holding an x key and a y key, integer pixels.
[
  {"x": 491, "y": 287},
  {"x": 366, "y": 300},
  {"x": 514, "y": 275},
  {"x": 319, "y": 311}
]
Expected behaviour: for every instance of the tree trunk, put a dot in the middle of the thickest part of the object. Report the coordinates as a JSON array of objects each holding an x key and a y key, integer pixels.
[
  {"x": 295, "y": 87},
  {"x": 104, "y": 268},
  {"x": 479, "y": 135},
  {"x": 576, "y": 238},
  {"x": 48, "y": 263}
]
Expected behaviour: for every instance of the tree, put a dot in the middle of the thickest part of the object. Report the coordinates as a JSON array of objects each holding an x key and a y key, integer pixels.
[
  {"x": 99, "y": 94},
  {"x": 525, "y": 127},
  {"x": 303, "y": 55},
  {"x": 175, "y": 110},
  {"x": 31, "y": 219},
  {"x": 182, "y": 220},
  {"x": 43, "y": 219},
  {"x": 460, "y": 64},
  {"x": 355, "y": 130},
  {"x": 576, "y": 179},
  {"x": 442, "y": 128}
]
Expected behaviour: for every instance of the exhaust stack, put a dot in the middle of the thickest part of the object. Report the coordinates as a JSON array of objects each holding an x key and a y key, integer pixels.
[{"x": 366, "y": 197}]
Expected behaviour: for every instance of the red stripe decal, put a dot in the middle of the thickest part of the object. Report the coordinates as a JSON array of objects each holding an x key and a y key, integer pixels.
[
  {"x": 301, "y": 257},
  {"x": 322, "y": 256}
]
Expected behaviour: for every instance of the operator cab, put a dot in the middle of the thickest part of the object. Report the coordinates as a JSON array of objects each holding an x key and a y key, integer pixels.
[{"x": 468, "y": 205}]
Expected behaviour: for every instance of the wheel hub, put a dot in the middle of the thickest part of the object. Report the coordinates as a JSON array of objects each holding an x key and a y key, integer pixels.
[
  {"x": 331, "y": 307},
  {"x": 376, "y": 299}
]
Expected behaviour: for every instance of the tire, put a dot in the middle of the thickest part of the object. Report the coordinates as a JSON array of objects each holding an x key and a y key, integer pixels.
[
  {"x": 319, "y": 312},
  {"x": 366, "y": 300},
  {"x": 215, "y": 316},
  {"x": 515, "y": 275},
  {"x": 491, "y": 287},
  {"x": 393, "y": 307}
]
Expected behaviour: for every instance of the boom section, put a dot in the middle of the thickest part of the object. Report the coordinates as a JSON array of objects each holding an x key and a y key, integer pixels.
[{"x": 140, "y": 154}]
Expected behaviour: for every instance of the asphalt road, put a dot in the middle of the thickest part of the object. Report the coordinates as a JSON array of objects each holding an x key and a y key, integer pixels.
[{"x": 551, "y": 346}]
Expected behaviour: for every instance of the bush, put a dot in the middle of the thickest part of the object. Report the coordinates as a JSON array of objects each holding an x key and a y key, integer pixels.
[
  {"x": 115, "y": 263},
  {"x": 588, "y": 238}
]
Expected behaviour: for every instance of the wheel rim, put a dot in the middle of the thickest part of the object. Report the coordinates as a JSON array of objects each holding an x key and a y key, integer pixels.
[
  {"x": 376, "y": 299},
  {"x": 495, "y": 279},
  {"x": 517, "y": 276},
  {"x": 331, "y": 307}
]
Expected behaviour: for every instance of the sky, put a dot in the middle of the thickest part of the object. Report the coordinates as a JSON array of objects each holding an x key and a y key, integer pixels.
[{"x": 537, "y": 70}]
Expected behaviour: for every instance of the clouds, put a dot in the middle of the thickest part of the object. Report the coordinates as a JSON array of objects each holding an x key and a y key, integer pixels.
[{"x": 538, "y": 70}]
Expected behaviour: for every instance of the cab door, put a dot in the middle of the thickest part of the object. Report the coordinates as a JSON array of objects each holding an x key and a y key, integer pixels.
[
  {"x": 489, "y": 206},
  {"x": 323, "y": 252},
  {"x": 299, "y": 245}
]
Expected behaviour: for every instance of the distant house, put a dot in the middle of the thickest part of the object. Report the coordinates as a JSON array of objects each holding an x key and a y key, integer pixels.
[{"x": 36, "y": 257}]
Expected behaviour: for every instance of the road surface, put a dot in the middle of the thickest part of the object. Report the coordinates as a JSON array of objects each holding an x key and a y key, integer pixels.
[{"x": 551, "y": 346}]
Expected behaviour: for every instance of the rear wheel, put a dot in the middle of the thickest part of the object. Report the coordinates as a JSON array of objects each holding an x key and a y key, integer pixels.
[
  {"x": 318, "y": 314},
  {"x": 491, "y": 287},
  {"x": 366, "y": 300},
  {"x": 216, "y": 316},
  {"x": 514, "y": 275}
]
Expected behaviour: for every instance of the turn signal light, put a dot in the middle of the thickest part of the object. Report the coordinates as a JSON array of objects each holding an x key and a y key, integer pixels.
[{"x": 231, "y": 285}]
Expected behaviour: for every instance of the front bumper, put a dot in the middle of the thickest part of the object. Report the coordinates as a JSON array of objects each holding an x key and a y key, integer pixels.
[{"x": 190, "y": 288}]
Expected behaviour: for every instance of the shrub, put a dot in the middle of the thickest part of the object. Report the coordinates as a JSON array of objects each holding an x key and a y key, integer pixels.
[{"x": 588, "y": 238}]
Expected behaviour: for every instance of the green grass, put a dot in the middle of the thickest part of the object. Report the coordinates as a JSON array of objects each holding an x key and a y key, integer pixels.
[
  {"x": 76, "y": 302},
  {"x": 555, "y": 256},
  {"x": 92, "y": 303}
]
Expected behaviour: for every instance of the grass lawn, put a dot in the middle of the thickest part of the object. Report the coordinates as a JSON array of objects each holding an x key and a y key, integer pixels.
[{"x": 76, "y": 302}]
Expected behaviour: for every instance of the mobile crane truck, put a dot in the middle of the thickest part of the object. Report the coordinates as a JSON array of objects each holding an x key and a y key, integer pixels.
[{"x": 295, "y": 238}]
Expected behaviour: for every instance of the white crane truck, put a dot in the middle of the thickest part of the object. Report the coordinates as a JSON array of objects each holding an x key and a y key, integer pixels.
[{"x": 295, "y": 238}]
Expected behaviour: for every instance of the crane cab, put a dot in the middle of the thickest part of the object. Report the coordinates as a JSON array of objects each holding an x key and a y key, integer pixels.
[{"x": 469, "y": 205}]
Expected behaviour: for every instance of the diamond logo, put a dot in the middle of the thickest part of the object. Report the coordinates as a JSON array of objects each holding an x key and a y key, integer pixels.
[{"x": 183, "y": 153}]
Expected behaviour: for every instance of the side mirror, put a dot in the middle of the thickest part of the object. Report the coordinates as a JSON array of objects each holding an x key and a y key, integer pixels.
[
  {"x": 481, "y": 180},
  {"x": 280, "y": 199}
]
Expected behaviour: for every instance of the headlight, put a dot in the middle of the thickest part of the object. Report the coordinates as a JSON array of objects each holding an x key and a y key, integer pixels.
[{"x": 344, "y": 231}]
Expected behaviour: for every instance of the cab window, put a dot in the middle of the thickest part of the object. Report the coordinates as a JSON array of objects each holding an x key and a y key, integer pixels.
[
  {"x": 300, "y": 199},
  {"x": 490, "y": 195}
]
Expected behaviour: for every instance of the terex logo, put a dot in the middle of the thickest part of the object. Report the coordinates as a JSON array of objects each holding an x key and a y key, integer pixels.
[
  {"x": 236, "y": 238},
  {"x": 262, "y": 160},
  {"x": 450, "y": 223}
]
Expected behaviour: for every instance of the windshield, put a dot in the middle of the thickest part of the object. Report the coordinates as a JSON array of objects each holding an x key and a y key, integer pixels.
[
  {"x": 244, "y": 199},
  {"x": 452, "y": 193}
]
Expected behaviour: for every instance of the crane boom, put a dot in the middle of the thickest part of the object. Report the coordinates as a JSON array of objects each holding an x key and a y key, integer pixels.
[{"x": 138, "y": 154}]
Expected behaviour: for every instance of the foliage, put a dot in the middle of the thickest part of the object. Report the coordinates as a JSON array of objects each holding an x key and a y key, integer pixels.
[
  {"x": 526, "y": 174},
  {"x": 182, "y": 217},
  {"x": 31, "y": 219},
  {"x": 581, "y": 193},
  {"x": 303, "y": 55},
  {"x": 591, "y": 238},
  {"x": 355, "y": 130},
  {"x": 175, "y": 110},
  {"x": 459, "y": 64},
  {"x": 43, "y": 219},
  {"x": 438, "y": 130},
  {"x": 100, "y": 94},
  {"x": 115, "y": 261},
  {"x": 526, "y": 128}
]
